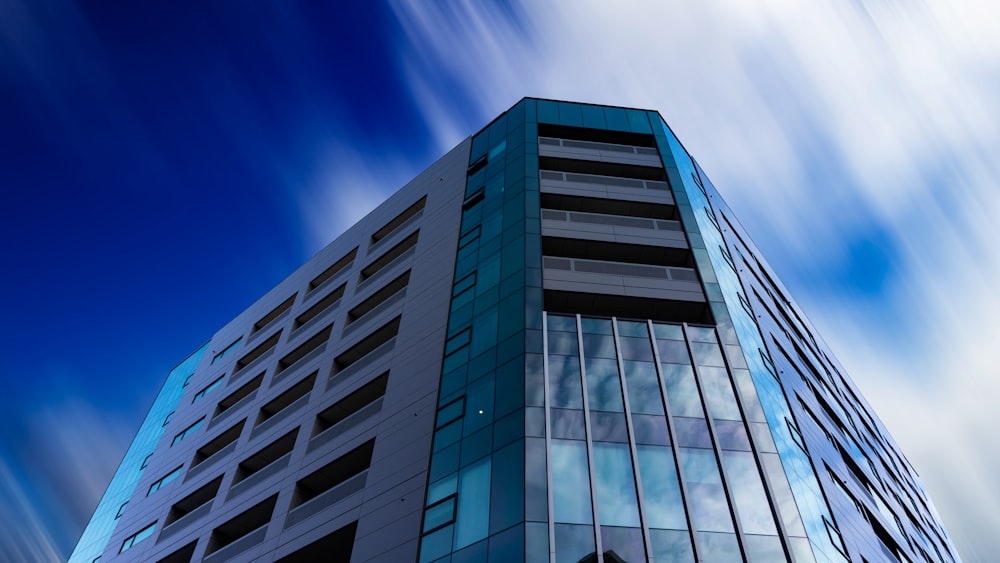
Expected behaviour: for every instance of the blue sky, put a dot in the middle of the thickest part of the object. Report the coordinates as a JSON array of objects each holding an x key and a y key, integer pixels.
[{"x": 165, "y": 165}]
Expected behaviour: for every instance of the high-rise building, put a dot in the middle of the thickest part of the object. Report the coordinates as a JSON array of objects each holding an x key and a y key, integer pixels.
[{"x": 554, "y": 344}]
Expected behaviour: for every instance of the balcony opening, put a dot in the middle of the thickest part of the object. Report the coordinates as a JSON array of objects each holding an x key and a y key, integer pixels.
[
  {"x": 333, "y": 474},
  {"x": 381, "y": 296},
  {"x": 304, "y": 349},
  {"x": 256, "y": 517},
  {"x": 328, "y": 301},
  {"x": 266, "y": 456},
  {"x": 602, "y": 305},
  {"x": 619, "y": 207},
  {"x": 596, "y": 135},
  {"x": 193, "y": 501},
  {"x": 615, "y": 252},
  {"x": 594, "y": 168},
  {"x": 377, "y": 338},
  {"x": 389, "y": 256},
  {"x": 337, "y": 267},
  {"x": 398, "y": 221},
  {"x": 240, "y": 394},
  {"x": 258, "y": 352},
  {"x": 215, "y": 445},
  {"x": 340, "y": 542},
  {"x": 284, "y": 400},
  {"x": 274, "y": 314},
  {"x": 182, "y": 555},
  {"x": 344, "y": 408}
]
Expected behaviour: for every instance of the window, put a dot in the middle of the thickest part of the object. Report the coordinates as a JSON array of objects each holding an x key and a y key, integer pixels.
[
  {"x": 266, "y": 456},
  {"x": 188, "y": 431},
  {"x": 137, "y": 537},
  {"x": 145, "y": 461},
  {"x": 162, "y": 481},
  {"x": 284, "y": 400},
  {"x": 381, "y": 296},
  {"x": 208, "y": 388},
  {"x": 193, "y": 501},
  {"x": 399, "y": 220},
  {"x": 240, "y": 394},
  {"x": 242, "y": 525},
  {"x": 274, "y": 314},
  {"x": 389, "y": 256},
  {"x": 330, "y": 300},
  {"x": 226, "y": 350},
  {"x": 258, "y": 352},
  {"x": 215, "y": 445},
  {"x": 121, "y": 510},
  {"x": 336, "y": 268},
  {"x": 351, "y": 404},
  {"x": 377, "y": 338},
  {"x": 166, "y": 419},
  {"x": 332, "y": 474},
  {"x": 314, "y": 343}
]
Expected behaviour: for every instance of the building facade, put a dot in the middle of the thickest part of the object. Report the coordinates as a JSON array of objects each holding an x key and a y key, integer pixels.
[{"x": 555, "y": 344}]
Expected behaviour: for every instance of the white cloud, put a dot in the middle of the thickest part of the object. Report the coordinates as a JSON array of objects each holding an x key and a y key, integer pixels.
[{"x": 838, "y": 114}]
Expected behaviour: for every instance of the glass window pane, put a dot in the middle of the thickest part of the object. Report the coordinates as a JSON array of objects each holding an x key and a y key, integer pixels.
[
  {"x": 604, "y": 388},
  {"x": 668, "y": 332},
  {"x": 536, "y": 542},
  {"x": 748, "y": 493},
  {"x": 660, "y": 489},
  {"x": 616, "y": 499},
  {"x": 536, "y": 496},
  {"x": 596, "y": 326},
  {"x": 608, "y": 427},
  {"x": 598, "y": 346},
  {"x": 706, "y": 354},
  {"x": 719, "y": 393},
  {"x": 633, "y": 328},
  {"x": 650, "y": 429},
  {"x": 673, "y": 352},
  {"x": 574, "y": 543},
  {"x": 671, "y": 545},
  {"x": 435, "y": 545},
  {"x": 709, "y": 507},
  {"x": 719, "y": 548},
  {"x": 732, "y": 435},
  {"x": 701, "y": 334},
  {"x": 565, "y": 385},
  {"x": 563, "y": 343},
  {"x": 571, "y": 485},
  {"x": 682, "y": 391},
  {"x": 636, "y": 348},
  {"x": 561, "y": 323},
  {"x": 643, "y": 387},
  {"x": 442, "y": 513},
  {"x": 472, "y": 520},
  {"x": 692, "y": 432},
  {"x": 626, "y": 543},
  {"x": 764, "y": 549},
  {"x": 568, "y": 424}
]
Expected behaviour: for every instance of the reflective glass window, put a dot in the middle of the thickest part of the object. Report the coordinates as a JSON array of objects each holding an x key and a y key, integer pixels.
[
  {"x": 643, "y": 387},
  {"x": 567, "y": 423},
  {"x": 561, "y": 323},
  {"x": 536, "y": 506},
  {"x": 616, "y": 498},
  {"x": 668, "y": 332},
  {"x": 707, "y": 354},
  {"x": 604, "y": 388},
  {"x": 650, "y": 429},
  {"x": 719, "y": 548},
  {"x": 633, "y": 329},
  {"x": 692, "y": 432},
  {"x": 472, "y": 518},
  {"x": 748, "y": 493},
  {"x": 626, "y": 543},
  {"x": 565, "y": 384},
  {"x": 573, "y": 543},
  {"x": 732, "y": 435},
  {"x": 682, "y": 391},
  {"x": 608, "y": 426},
  {"x": 673, "y": 352},
  {"x": 636, "y": 348},
  {"x": 673, "y": 546},
  {"x": 596, "y": 326},
  {"x": 719, "y": 393},
  {"x": 563, "y": 343},
  {"x": 709, "y": 507},
  {"x": 661, "y": 492},
  {"x": 701, "y": 334},
  {"x": 598, "y": 346},
  {"x": 571, "y": 483},
  {"x": 765, "y": 549}
]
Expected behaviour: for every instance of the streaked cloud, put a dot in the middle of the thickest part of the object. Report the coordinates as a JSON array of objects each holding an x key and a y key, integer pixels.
[{"x": 870, "y": 125}]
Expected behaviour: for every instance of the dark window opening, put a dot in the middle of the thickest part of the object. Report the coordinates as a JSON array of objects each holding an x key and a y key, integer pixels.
[
  {"x": 314, "y": 342},
  {"x": 369, "y": 343},
  {"x": 379, "y": 297},
  {"x": 322, "y": 305},
  {"x": 615, "y": 252},
  {"x": 261, "y": 349},
  {"x": 596, "y": 135},
  {"x": 333, "y": 474},
  {"x": 609, "y": 206},
  {"x": 602, "y": 305},
  {"x": 215, "y": 445},
  {"x": 257, "y": 516},
  {"x": 266, "y": 456},
  {"x": 364, "y": 396},
  {"x": 193, "y": 501},
  {"x": 336, "y": 268},
  {"x": 275, "y": 313},
  {"x": 239, "y": 394},
  {"x": 340, "y": 542},
  {"x": 182, "y": 555},
  {"x": 282, "y": 401},
  {"x": 403, "y": 217},
  {"x": 385, "y": 259},
  {"x": 596, "y": 168}
]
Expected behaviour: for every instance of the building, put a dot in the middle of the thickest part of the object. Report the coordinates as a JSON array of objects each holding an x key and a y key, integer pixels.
[{"x": 554, "y": 344}]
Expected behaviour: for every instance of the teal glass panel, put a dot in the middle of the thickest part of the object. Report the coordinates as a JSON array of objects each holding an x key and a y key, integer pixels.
[
  {"x": 596, "y": 326},
  {"x": 673, "y": 546},
  {"x": 633, "y": 329},
  {"x": 507, "y": 545},
  {"x": 439, "y": 514},
  {"x": 536, "y": 542},
  {"x": 668, "y": 332},
  {"x": 472, "y": 520},
  {"x": 436, "y": 545},
  {"x": 617, "y": 504},
  {"x": 708, "y": 504},
  {"x": 102, "y": 524},
  {"x": 748, "y": 493},
  {"x": 536, "y": 505},
  {"x": 574, "y": 543},
  {"x": 442, "y": 488},
  {"x": 571, "y": 490},
  {"x": 643, "y": 387},
  {"x": 682, "y": 391},
  {"x": 661, "y": 491},
  {"x": 478, "y": 405},
  {"x": 506, "y": 506}
]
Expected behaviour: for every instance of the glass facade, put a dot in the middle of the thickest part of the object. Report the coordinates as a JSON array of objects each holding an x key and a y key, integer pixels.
[
  {"x": 107, "y": 515},
  {"x": 649, "y": 428}
]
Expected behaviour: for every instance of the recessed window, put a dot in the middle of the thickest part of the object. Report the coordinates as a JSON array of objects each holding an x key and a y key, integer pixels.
[
  {"x": 137, "y": 537},
  {"x": 381, "y": 296},
  {"x": 321, "y": 306},
  {"x": 145, "y": 461},
  {"x": 399, "y": 220},
  {"x": 163, "y": 481},
  {"x": 351, "y": 404},
  {"x": 121, "y": 510},
  {"x": 208, "y": 388},
  {"x": 274, "y": 314},
  {"x": 337, "y": 267},
  {"x": 368, "y": 344},
  {"x": 193, "y": 501},
  {"x": 389, "y": 256},
  {"x": 333, "y": 474},
  {"x": 240, "y": 526},
  {"x": 166, "y": 419},
  {"x": 227, "y": 350},
  {"x": 240, "y": 394},
  {"x": 216, "y": 444},
  {"x": 261, "y": 349},
  {"x": 315, "y": 341},
  {"x": 284, "y": 400},
  {"x": 188, "y": 431},
  {"x": 265, "y": 456}
]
